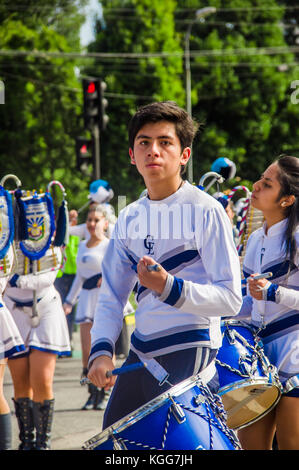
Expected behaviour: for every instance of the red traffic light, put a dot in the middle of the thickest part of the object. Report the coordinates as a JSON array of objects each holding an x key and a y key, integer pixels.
[
  {"x": 91, "y": 87},
  {"x": 83, "y": 149}
]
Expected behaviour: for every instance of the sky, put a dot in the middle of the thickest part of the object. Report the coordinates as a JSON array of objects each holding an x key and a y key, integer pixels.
[{"x": 86, "y": 32}]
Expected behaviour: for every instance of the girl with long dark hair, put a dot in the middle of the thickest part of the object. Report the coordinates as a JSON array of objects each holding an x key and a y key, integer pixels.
[{"x": 275, "y": 301}]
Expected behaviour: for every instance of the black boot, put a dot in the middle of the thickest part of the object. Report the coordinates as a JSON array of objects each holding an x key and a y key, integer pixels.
[
  {"x": 5, "y": 431},
  {"x": 92, "y": 390},
  {"x": 102, "y": 399},
  {"x": 43, "y": 418},
  {"x": 99, "y": 397},
  {"x": 23, "y": 407}
]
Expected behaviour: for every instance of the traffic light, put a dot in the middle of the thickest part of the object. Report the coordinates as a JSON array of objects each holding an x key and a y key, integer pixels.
[
  {"x": 84, "y": 153},
  {"x": 103, "y": 103},
  {"x": 94, "y": 103}
]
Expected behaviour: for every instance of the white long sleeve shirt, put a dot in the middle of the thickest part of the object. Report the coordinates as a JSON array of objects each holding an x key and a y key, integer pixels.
[
  {"x": 266, "y": 253},
  {"x": 42, "y": 283},
  {"x": 190, "y": 235}
]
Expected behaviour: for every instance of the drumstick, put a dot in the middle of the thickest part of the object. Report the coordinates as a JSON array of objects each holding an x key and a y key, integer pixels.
[
  {"x": 262, "y": 276},
  {"x": 119, "y": 371},
  {"x": 124, "y": 369},
  {"x": 153, "y": 267}
]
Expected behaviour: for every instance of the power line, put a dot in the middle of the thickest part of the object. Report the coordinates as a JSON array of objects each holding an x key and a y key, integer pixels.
[
  {"x": 75, "y": 90},
  {"x": 152, "y": 55},
  {"x": 188, "y": 10}
]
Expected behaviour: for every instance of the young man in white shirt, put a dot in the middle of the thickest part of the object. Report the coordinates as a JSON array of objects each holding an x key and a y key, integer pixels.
[{"x": 186, "y": 233}]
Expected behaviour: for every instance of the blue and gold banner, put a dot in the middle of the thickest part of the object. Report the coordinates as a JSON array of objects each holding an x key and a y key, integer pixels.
[{"x": 37, "y": 223}]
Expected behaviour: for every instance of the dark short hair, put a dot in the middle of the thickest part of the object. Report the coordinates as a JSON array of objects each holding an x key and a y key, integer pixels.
[{"x": 186, "y": 127}]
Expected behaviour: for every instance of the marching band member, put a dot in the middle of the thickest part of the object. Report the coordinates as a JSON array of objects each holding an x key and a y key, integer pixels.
[
  {"x": 10, "y": 343},
  {"x": 86, "y": 285},
  {"x": 100, "y": 192},
  {"x": 187, "y": 279},
  {"x": 45, "y": 334},
  {"x": 274, "y": 304}
]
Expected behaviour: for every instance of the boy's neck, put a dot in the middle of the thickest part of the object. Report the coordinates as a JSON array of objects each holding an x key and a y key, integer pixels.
[{"x": 162, "y": 190}]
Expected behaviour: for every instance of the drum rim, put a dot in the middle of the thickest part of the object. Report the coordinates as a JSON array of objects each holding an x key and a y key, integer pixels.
[
  {"x": 142, "y": 411},
  {"x": 253, "y": 420},
  {"x": 240, "y": 323},
  {"x": 241, "y": 383}
]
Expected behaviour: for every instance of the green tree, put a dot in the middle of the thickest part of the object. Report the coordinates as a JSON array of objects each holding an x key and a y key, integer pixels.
[
  {"x": 40, "y": 118},
  {"x": 239, "y": 94},
  {"x": 241, "y": 97},
  {"x": 138, "y": 26}
]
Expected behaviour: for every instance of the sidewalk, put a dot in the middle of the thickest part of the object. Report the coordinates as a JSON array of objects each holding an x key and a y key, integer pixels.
[{"x": 71, "y": 426}]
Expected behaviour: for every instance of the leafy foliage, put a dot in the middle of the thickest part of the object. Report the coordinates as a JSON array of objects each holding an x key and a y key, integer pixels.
[
  {"x": 39, "y": 120},
  {"x": 241, "y": 85}
]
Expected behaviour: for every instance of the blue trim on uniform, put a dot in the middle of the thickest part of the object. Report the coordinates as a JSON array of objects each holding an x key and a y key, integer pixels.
[
  {"x": 174, "y": 262},
  {"x": 176, "y": 291},
  {"x": 20, "y": 304},
  {"x": 281, "y": 269},
  {"x": 13, "y": 280},
  {"x": 101, "y": 346},
  {"x": 244, "y": 287},
  {"x": 271, "y": 292},
  {"x": 19, "y": 356},
  {"x": 280, "y": 325},
  {"x": 26, "y": 353},
  {"x": 194, "y": 336},
  {"x": 246, "y": 274},
  {"x": 14, "y": 350},
  {"x": 91, "y": 282},
  {"x": 36, "y": 199},
  {"x": 10, "y": 216},
  {"x": 134, "y": 265},
  {"x": 180, "y": 258},
  {"x": 292, "y": 393}
]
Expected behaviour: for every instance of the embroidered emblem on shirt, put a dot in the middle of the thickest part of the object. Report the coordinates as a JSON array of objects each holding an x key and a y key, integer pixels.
[{"x": 149, "y": 244}]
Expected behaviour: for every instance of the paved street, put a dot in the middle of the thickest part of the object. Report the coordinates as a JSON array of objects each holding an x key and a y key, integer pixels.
[{"x": 71, "y": 426}]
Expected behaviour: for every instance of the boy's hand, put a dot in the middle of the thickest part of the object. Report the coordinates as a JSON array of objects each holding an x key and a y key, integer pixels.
[
  {"x": 154, "y": 280},
  {"x": 98, "y": 370}
]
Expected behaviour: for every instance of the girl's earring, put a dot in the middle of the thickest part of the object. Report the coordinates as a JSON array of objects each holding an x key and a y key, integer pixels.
[{"x": 283, "y": 204}]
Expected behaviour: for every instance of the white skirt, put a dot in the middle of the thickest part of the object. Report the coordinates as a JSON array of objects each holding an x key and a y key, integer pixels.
[
  {"x": 11, "y": 341},
  {"x": 51, "y": 334},
  {"x": 86, "y": 305}
]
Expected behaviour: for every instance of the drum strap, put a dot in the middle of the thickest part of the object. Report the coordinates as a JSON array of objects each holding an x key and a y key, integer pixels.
[
  {"x": 208, "y": 373},
  {"x": 155, "y": 369},
  {"x": 162, "y": 375}
]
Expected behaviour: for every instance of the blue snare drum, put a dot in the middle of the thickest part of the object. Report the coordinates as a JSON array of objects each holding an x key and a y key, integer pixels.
[
  {"x": 186, "y": 417},
  {"x": 248, "y": 383}
]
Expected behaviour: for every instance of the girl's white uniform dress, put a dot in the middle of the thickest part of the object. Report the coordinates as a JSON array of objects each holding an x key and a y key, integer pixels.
[
  {"x": 89, "y": 268},
  {"x": 51, "y": 334},
  {"x": 11, "y": 341},
  {"x": 278, "y": 316}
]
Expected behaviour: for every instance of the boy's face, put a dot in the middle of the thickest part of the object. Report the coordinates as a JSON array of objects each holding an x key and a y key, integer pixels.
[{"x": 157, "y": 152}]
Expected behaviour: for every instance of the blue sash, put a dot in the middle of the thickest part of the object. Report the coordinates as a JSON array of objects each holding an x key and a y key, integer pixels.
[
  {"x": 91, "y": 282},
  {"x": 20, "y": 304}
]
